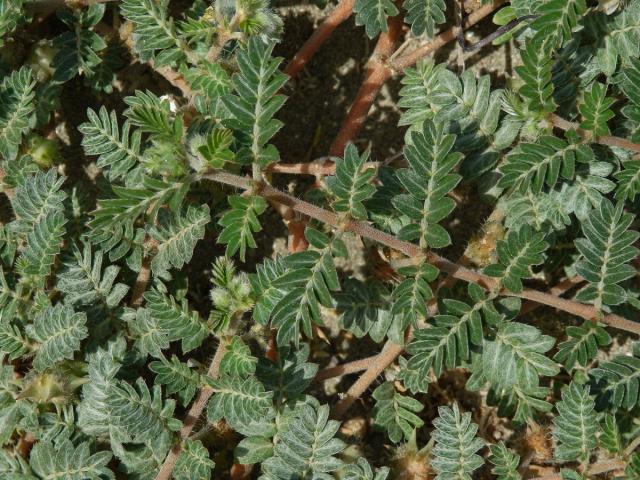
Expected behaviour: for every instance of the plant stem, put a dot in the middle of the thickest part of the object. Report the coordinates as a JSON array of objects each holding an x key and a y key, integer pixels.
[
  {"x": 324, "y": 31},
  {"x": 345, "y": 368},
  {"x": 389, "y": 353},
  {"x": 632, "y": 446},
  {"x": 411, "y": 250},
  {"x": 194, "y": 414},
  {"x": 385, "y": 69},
  {"x": 375, "y": 76},
  {"x": 563, "y": 124}
]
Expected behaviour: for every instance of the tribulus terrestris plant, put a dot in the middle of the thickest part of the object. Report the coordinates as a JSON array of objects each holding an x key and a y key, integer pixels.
[{"x": 459, "y": 299}]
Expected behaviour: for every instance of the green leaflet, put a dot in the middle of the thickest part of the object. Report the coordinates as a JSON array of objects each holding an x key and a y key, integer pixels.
[
  {"x": 424, "y": 15},
  {"x": 361, "y": 470},
  {"x": 85, "y": 283},
  {"x": 237, "y": 360},
  {"x": 256, "y": 101},
  {"x": 118, "y": 151},
  {"x": 141, "y": 412},
  {"x": 239, "y": 224},
  {"x": 16, "y": 110},
  {"x": 176, "y": 320},
  {"x": 307, "y": 447},
  {"x": 365, "y": 308},
  {"x": 12, "y": 14},
  {"x": 156, "y": 35},
  {"x": 289, "y": 375},
  {"x": 505, "y": 462},
  {"x": 351, "y": 184},
  {"x": 617, "y": 381},
  {"x": 448, "y": 341},
  {"x": 596, "y": 111},
  {"x": 517, "y": 253},
  {"x": 582, "y": 344},
  {"x": 576, "y": 425},
  {"x": 58, "y": 331},
  {"x": 310, "y": 278},
  {"x": 194, "y": 462},
  {"x": 78, "y": 49},
  {"x": 373, "y": 15},
  {"x": 606, "y": 250},
  {"x": 559, "y": 18},
  {"x": 531, "y": 166},
  {"x": 516, "y": 357},
  {"x": 454, "y": 456},
  {"x": 67, "y": 462},
  {"x": 239, "y": 402},
  {"x": 535, "y": 72},
  {"x": 176, "y": 236},
  {"x": 396, "y": 413},
  {"x": 427, "y": 182},
  {"x": 177, "y": 377}
]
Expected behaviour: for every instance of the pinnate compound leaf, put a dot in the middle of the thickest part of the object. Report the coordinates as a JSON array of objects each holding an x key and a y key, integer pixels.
[
  {"x": 238, "y": 401},
  {"x": 519, "y": 251},
  {"x": 454, "y": 455},
  {"x": 505, "y": 462},
  {"x": 576, "y": 424},
  {"x": 607, "y": 248},
  {"x": 396, "y": 413},
  {"x": 373, "y": 15},
  {"x": 176, "y": 236},
  {"x": 240, "y": 223},
  {"x": 66, "y": 462},
  {"x": 351, "y": 184},
  {"x": 58, "y": 331},
  {"x": 194, "y": 462},
  {"x": 17, "y": 93},
  {"x": 307, "y": 447}
]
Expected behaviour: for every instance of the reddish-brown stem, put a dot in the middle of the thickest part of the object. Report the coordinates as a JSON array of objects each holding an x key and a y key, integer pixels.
[
  {"x": 346, "y": 368},
  {"x": 382, "y": 70},
  {"x": 411, "y": 250},
  {"x": 376, "y": 74},
  {"x": 560, "y": 289},
  {"x": 411, "y": 58},
  {"x": 193, "y": 415},
  {"x": 563, "y": 124},
  {"x": 389, "y": 353},
  {"x": 339, "y": 14}
]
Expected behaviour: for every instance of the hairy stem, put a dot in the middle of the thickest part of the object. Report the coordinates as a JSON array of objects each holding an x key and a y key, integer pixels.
[
  {"x": 346, "y": 368},
  {"x": 384, "y": 70},
  {"x": 389, "y": 353},
  {"x": 411, "y": 250},
  {"x": 194, "y": 413},
  {"x": 324, "y": 31},
  {"x": 375, "y": 76},
  {"x": 563, "y": 124}
]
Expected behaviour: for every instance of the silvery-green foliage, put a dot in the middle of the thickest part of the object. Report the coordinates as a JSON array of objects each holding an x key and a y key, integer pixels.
[
  {"x": 454, "y": 453},
  {"x": 111, "y": 306},
  {"x": 17, "y": 110},
  {"x": 176, "y": 237},
  {"x": 67, "y": 462},
  {"x": 58, "y": 332},
  {"x": 396, "y": 413},
  {"x": 505, "y": 462},
  {"x": 576, "y": 425},
  {"x": 194, "y": 462},
  {"x": 307, "y": 447}
]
